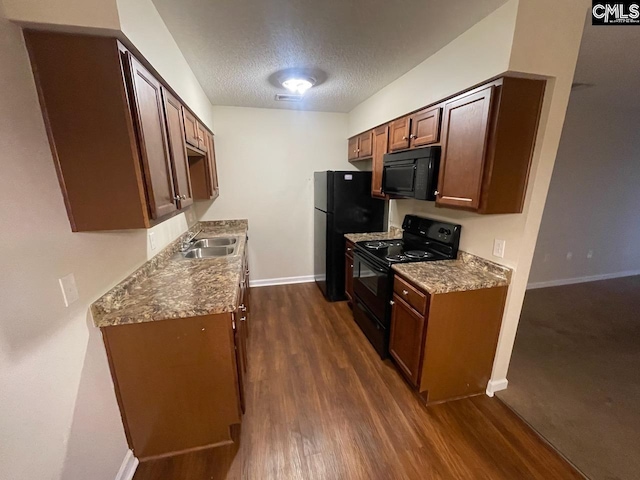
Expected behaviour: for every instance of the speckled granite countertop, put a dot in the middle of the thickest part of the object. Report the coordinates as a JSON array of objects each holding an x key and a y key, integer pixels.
[
  {"x": 468, "y": 272},
  {"x": 367, "y": 237},
  {"x": 166, "y": 287}
]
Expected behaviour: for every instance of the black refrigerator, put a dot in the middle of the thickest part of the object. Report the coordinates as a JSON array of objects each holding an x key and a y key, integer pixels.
[{"x": 343, "y": 204}]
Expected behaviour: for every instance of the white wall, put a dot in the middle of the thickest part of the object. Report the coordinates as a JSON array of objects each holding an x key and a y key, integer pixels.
[
  {"x": 266, "y": 159},
  {"x": 594, "y": 197},
  {"x": 59, "y": 417},
  {"x": 534, "y": 37}
]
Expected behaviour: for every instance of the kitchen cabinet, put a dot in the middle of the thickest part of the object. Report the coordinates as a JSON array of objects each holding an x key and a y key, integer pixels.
[
  {"x": 405, "y": 341},
  {"x": 177, "y": 149},
  {"x": 360, "y": 146},
  {"x": 425, "y": 127},
  {"x": 399, "y": 131},
  {"x": 380, "y": 148},
  {"x": 191, "y": 133},
  {"x": 180, "y": 382},
  {"x": 203, "y": 171},
  {"x": 348, "y": 270},
  {"x": 128, "y": 170},
  {"x": 487, "y": 146},
  {"x": 444, "y": 344}
]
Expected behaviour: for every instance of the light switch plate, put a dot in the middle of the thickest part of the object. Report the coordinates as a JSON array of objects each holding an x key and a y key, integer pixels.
[
  {"x": 69, "y": 289},
  {"x": 152, "y": 240},
  {"x": 498, "y": 248}
]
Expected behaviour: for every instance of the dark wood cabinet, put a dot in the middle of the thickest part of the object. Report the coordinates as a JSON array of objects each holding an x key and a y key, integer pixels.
[
  {"x": 466, "y": 125},
  {"x": 425, "y": 127},
  {"x": 380, "y": 148},
  {"x": 399, "y": 131},
  {"x": 128, "y": 172},
  {"x": 152, "y": 139},
  {"x": 365, "y": 148},
  {"x": 348, "y": 270},
  {"x": 445, "y": 343},
  {"x": 406, "y": 341},
  {"x": 191, "y": 129},
  {"x": 203, "y": 171},
  {"x": 177, "y": 149},
  {"x": 360, "y": 146},
  {"x": 488, "y": 136},
  {"x": 202, "y": 140}
]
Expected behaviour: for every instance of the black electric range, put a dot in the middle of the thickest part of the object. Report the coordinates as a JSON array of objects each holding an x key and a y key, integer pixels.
[{"x": 423, "y": 240}]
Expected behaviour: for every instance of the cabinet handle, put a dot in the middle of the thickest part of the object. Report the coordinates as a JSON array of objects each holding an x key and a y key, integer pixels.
[
  {"x": 412, "y": 136},
  {"x": 243, "y": 319},
  {"x": 243, "y": 308},
  {"x": 436, "y": 192},
  {"x": 176, "y": 197},
  {"x": 184, "y": 197},
  {"x": 405, "y": 292},
  {"x": 404, "y": 137},
  {"x": 351, "y": 265},
  {"x": 348, "y": 249},
  {"x": 391, "y": 302}
]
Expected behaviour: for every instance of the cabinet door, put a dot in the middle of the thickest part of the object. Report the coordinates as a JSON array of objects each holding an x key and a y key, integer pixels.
[
  {"x": 407, "y": 339},
  {"x": 380, "y": 147},
  {"x": 190, "y": 129},
  {"x": 202, "y": 137},
  {"x": 399, "y": 134},
  {"x": 353, "y": 148},
  {"x": 177, "y": 149},
  {"x": 212, "y": 168},
  {"x": 425, "y": 127},
  {"x": 465, "y": 131},
  {"x": 152, "y": 139},
  {"x": 348, "y": 277},
  {"x": 241, "y": 348},
  {"x": 366, "y": 145}
]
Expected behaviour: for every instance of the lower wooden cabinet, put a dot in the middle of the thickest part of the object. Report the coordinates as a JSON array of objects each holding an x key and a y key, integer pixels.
[
  {"x": 348, "y": 271},
  {"x": 445, "y": 345},
  {"x": 407, "y": 339}
]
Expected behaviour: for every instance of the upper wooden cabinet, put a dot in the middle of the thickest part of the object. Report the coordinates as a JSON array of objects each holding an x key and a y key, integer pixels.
[
  {"x": 152, "y": 139},
  {"x": 204, "y": 172},
  {"x": 425, "y": 127},
  {"x": 177, "y": 148},
  {"x": 399, "y": 131},
  {"x": 191, "y": 129},
  {"x": 118, "y": 143},
  {"x": 380, "y": 148},
  {"x": 488, "y": 136},
  {"x": 361, "y": 146}
]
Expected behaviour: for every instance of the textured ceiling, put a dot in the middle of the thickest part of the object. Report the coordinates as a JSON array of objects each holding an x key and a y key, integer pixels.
[
  {"x": 234, "y": 46},
  {"x": 609, "y": 61}
]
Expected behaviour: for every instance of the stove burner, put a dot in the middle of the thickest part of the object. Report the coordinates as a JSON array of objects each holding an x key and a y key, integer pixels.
[
  {"x": 396, "y": 258},
  {"x": 376, "y": 245},
  {"x": 418, "y": 254}
]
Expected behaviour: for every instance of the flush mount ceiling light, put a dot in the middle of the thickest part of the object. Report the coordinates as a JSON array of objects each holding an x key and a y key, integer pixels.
[{"x": 298, "y": 85}]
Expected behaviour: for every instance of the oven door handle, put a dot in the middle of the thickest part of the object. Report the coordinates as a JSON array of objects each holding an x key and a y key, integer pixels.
[{"x": 371, "y": 266}]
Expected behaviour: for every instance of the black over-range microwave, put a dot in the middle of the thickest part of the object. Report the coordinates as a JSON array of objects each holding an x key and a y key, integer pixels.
[{"x": 412, "y": 173}]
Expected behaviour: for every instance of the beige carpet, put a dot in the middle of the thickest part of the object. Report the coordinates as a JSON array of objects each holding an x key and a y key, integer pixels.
[{"x": 575, "y": 373}]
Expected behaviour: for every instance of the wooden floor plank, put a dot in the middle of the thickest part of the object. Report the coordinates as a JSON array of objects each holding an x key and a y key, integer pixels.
[{"x": 322, "y": 405}]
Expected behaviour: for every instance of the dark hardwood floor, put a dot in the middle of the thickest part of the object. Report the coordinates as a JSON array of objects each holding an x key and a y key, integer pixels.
[{"x": 322, "y": 405}]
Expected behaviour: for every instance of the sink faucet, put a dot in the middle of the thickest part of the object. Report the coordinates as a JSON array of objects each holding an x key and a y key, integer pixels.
[{"x": 186, "y": 242}]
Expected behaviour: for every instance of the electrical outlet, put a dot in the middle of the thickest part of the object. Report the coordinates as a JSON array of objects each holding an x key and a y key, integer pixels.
[
  {"x": 152, "y": 240},
  {"x": 590, "y": 254},
  {"x": 498, "y": 248},
  {"x": 569, "y": 256},
  {"x": 69, "y": 289}
]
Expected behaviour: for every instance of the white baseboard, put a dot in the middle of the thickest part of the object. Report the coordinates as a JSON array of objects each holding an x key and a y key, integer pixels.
[
  {"x": 282, "y": 281},
  {"x": 496, "y": 385},
  {"x": 591, "y": 278},
  {"x": 128, "y": 467}
]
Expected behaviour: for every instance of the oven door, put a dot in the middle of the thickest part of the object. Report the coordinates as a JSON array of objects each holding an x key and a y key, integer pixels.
[
  {"x": 399, "y": 179},
  {"x": 372, "y": 286}
]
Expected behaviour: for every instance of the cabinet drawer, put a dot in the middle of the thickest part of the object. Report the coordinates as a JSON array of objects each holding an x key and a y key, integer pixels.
[{"x": 410, "y": 294}]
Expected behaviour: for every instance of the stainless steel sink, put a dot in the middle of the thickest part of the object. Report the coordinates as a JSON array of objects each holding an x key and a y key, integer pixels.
[
  {"x": 215, "y": 242},
  {"x": 209, "y": 248}
]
